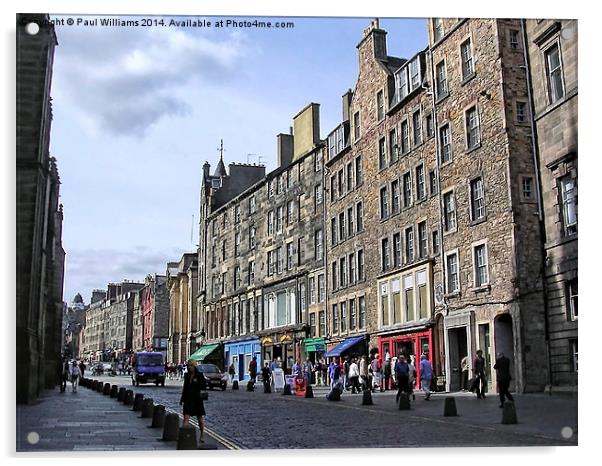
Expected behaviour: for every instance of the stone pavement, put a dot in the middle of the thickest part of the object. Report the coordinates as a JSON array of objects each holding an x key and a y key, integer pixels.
[{"x": 85, "y": 421}]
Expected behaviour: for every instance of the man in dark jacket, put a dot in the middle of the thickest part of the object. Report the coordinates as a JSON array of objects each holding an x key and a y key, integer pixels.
[
  {"x": 402, "y": 373},
  {"x": 479, "y": 372},
  {"x": 502, "y": 368}
]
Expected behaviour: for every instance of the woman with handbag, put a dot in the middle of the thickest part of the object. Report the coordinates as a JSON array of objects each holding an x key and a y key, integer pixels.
[{"x": 192, "y": 398}]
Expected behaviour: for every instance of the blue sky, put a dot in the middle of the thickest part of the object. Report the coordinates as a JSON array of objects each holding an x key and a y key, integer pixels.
[{"x": 137, "y": 111}]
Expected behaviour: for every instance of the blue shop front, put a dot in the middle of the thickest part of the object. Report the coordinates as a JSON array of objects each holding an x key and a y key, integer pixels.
[{"x": 241, "y": 353}]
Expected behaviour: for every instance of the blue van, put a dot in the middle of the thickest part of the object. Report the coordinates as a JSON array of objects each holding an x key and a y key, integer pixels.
[{"x": 148, "y": 367}]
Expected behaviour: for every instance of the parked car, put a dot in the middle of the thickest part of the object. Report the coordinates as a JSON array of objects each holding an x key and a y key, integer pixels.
[{"x": 213, "y": 376}]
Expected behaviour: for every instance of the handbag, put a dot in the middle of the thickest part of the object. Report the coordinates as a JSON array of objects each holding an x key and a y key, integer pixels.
[{"x": 204, "y": 396}]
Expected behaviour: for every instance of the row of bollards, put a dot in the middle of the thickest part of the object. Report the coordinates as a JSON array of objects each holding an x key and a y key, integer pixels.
[{"x": 172, "y": 432}]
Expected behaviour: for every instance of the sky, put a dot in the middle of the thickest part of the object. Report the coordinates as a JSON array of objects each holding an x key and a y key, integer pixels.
[{"x": 138, "y": 110}]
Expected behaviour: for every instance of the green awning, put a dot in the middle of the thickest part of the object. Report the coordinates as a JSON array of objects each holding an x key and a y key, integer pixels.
[
  {"x": 314, "y": 344},
  {"x": 203, "y": 352}
]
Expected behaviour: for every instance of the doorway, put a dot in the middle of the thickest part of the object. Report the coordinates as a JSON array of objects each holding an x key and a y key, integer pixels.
[
  {"x": 485, "y": 346},
  {"x": 458, "y": 349},
  {"x": 504, "y": 343}
]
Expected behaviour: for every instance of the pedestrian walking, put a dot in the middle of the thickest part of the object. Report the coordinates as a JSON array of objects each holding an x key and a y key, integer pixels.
[
  {"x": 194, "y": 383},
  {"x": 65, "y": 371},
  {"x": 82, "y": 368},
  {"x": 480, "y": 382},
  {"x": 412, "y": 376},
  {"x": 387, "y": 372},
  {"x": 345, "y": 373},
  {"x": 335, "y": 374},
  {"x": 308, "y": 369},
  {"x": 266, "y": 376},
  {"x": 318, "y": 372},
  {"x": 402, "y": 373},
  {"x": 180, "y": 371},
  {"x": 464, "y": 368},
  {"x": 502, "y": 369},
  {"x": 364, "y": 372},
  {"x": 253, "y": 369},
  {"x": 354, "y": 376},
  {"x": 75, "y": 373},
  {"x": 376, "y": 369},
  {"x": 297, "y": 369},
  {"x": 426, "y": 376},
  {"x": 324, "y": 371},
  {"x": 231, "y": 373}
]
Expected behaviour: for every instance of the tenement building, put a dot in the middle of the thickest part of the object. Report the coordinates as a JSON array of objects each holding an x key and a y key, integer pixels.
[
  {"x": 40, "y": 255},
  {"x": 154, "y": 308},
  {"x": 433, "y": 243},
  {"x": 551, "y": 53},
  {"x": 261, "y": 253}
]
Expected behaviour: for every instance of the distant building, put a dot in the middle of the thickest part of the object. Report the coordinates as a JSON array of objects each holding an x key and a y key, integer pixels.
[{"x": 154, "y": 309}]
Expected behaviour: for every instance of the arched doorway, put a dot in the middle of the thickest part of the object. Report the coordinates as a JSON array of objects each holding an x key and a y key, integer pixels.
[{"x": 504, "y": 342}]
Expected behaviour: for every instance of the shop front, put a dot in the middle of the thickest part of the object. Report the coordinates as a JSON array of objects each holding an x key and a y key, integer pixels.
[
  {"x": 314, "y": 348},
  {"x": 410, "y": 343},
  {"x": 284, "y": 345},
  {"x": 241, "y": 353},
  {"x": 350, "y": 347},
  {"x": 210, "y": 354}
]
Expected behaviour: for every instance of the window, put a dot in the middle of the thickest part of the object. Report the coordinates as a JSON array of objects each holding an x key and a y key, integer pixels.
[
  {"x": 420, "y": 183},
  {"x": 334, "y": 276},
  {"x": 415, "y": 77},
  {"x": 380, "y": 105},
  {"x": 359, "y": 214},
  {"x": 236, "y": 244},
  {"x": 514, "y": 39},
  {"x": 302, "y": 304},
  {"x": 407, "y": 189},
  {"x": 290, "y": 210},
  {"x": 393, "y": 149},
  {"x": 289, "y": 178},
  {"x": 335, "y": 318},
  {"x": 360, "y": 265},
  {"x": 318, "y": 245},
  {"x": 223, "y": 250},
  {"x": 321, "y": 288},
  {"x": 271, "y": 188},
  {"x": 396, "y": 300},
  {"x": 350, "y": 222},
  {"x": 312, "y": 324},
  {"x": 445, "y": 143},
  {"x": 430, "y": 129},
  {"x": 473, "y": 137},
  {"x": 401, "y": 81},
  {"x": 362, "y": 309},
  {"x": 271, "y": 222},
  {"x": 437, "y": 29},
  {"x": 280, "y": 184},
  {"x": 405, "y": 137},
  {"x": 573, "y": 352},
  {"x": 453, "y": 278},
  {"x": 422, "y": 294},
  {"x": 317, "y": 196},
  {"x": 290, "y": 256},
  {"x": 342, "y": 231},
  {"x": 435, "y": 241},
  {"x": 521, "y": 112},
  {"x": 279, "y": 219},
  {"x": 333, "y": 231},
  {"x": 251, "y": 273},
  {"x": 300, "y": 250},
  {"x": 385, "y": 258},
  {"x": 554, "y": 73},
  {"x": 252, "y": 205},
  {"x": 352, "y": 315},
  {"x": 343, "y": 317},
  {"x": 408, "y": 289},
  {"x": 384, "y": 303},
  {"x": 322, "y": 323},
  {"x": 318, "y": 161},
  {"x": 237, "y": 214},
  {"x": 467, "y": 59},
  {"x": 569, "y": 204},
  {"x": 449, "y": 211},
  {"x": 358, "y": 171},
  {"x": 382, "y": 154},
  {"x": 312, "y": 290},
  {"x": 395, "y": 196},
  {"x": 384, "y": 203},
  {"x": 440, "y": 80},
  {"x": 422, "y": 240},
  {"x": 477, "y": 200},
  {"x": 340, "y": 183},
  {"x": 333, "y": 189},
  {"x": 396, "y": 250},
  {"x": 351, "y": 262},
  {"x": 349, "y": 177},
  {"x": 252, "y": 234},
  {"x": 527, "y": 188},
  {"x": 356, "y": 126},
  {"x": 409, "y": 243},
  {"x": 417, "y": 126},
  {"x": 433, "y": 182},
  {"x": 481, "y": 275},
  {"x": 280, "y": 259},
  {"x": 571, "y": 299},
  {"x": 237, "y": 278},
  {"x": 271, "y": 263}
]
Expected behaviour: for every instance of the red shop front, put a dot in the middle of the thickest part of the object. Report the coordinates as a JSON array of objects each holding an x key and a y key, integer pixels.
[{"x": 408, "y": 344}]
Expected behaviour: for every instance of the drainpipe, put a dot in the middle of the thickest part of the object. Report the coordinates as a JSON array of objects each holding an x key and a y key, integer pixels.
[
  {"x": 441, "y": 248},
  {"x": 538, "y": 184}
]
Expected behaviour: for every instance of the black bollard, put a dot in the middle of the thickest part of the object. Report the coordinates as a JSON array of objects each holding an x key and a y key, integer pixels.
[
  {"x": 158, "y": 416},
  {"x": 509, "y": 413},
  {"x": 334, "y": 394},
  {"x": 129, "y": 398},
  {"x": 404, "y": 402},
  {"x": 99, "y": 387},
  {"x": 106, "y": 389},
  {"x": 309, "y": 392},
  {"x": 449, "y": 409},
  {"x": 114, "y": 390},
  {"x": 94, "y": 385},
  {"x": 187, "y": 439},
  {"x": 367, "y": 398},
  {"x": 287, "y": 390},
  {"x": 235, "y": 385},
  {"x": 121, "y": 394},
  {"x": 138, "y": 401},
  {"x": 250, "y": 386},
  {"x": 171, "y": 427},
  {"x": 147, "y": 407}
]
